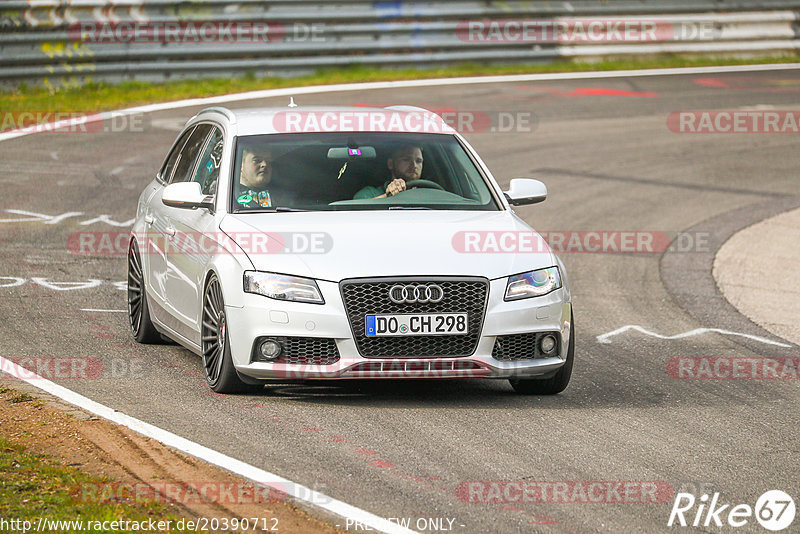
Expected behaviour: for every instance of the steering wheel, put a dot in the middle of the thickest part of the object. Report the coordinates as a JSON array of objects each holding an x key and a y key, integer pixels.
[{"x": 423, "y": 183}]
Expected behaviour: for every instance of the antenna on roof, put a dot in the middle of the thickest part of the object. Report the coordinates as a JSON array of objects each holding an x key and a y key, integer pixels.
[{"x": 291, "y": 102}]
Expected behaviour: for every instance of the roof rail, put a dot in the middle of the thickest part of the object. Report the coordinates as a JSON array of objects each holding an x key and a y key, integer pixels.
[{"x": 219, "y": 109}]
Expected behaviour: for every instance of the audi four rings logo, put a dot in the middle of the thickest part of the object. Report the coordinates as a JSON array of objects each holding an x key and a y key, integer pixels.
[{"x": 416, "y": 293}]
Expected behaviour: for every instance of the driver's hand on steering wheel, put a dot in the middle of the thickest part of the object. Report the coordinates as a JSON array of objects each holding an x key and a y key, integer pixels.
[{"x": 398, "y": 185}]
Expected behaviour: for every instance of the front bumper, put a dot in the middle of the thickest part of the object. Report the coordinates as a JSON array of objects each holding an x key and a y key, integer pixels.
[{"x": 261, "y": 316}]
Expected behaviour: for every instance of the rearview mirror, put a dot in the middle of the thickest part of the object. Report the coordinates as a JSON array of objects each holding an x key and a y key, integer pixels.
[
  {"x": 187, "y": 195},
  {"x": 344, "y": 152},
  {"x": 524, "y": 191}
]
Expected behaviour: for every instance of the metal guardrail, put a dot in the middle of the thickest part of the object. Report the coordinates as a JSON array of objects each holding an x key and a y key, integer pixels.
[{"x": 72, "y": 41}]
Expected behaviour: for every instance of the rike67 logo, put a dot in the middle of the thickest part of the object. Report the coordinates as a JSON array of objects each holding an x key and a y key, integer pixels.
[{"x": 774, "y": 510}]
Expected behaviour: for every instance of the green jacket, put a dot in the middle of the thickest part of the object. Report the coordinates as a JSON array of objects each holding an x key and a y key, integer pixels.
[{"x": 371, "y": 191}]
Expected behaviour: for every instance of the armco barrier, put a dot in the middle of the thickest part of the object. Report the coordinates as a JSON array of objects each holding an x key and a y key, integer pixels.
[{"x": 71, "y": 41}]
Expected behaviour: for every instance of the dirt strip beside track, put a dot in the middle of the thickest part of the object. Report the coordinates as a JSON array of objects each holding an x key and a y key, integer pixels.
[{"x": 104, "y": 449}]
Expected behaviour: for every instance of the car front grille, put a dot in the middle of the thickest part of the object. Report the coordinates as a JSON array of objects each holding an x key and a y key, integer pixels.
[
  {"x": 517, "y": 347},
  {"x": 302, "y": 350},
  {"x": 371, "y": 296}
]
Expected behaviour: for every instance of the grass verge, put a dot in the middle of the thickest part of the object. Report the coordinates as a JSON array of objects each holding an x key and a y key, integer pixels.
[
  {"x": 101, "y": 96},
  {"x": 34, "y": 486}
]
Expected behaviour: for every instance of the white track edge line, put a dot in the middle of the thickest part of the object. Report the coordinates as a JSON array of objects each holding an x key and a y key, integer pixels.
[
  {"x": 368, "y": 86},
  {"x": 228, "y": 463}
]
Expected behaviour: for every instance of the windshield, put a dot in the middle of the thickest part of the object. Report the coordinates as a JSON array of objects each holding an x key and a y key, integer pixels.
[{"x": 352, "y": 171}]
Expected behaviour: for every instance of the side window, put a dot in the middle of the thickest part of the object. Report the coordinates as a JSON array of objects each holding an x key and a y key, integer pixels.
[
  {"x": 189, "y": 153},
  {"x": 207, "y": 171},
  {"x": 466, "y": 173},
  {"x": 169, "y": 163}
]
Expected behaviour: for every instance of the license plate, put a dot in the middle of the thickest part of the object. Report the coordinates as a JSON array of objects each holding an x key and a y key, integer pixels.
[{"x": 419, "y": 324}]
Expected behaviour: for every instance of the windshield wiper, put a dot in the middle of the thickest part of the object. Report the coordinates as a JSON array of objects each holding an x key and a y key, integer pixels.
[
  {"x": 278, "y": 209},
  {"x": 409, "y": 208}
]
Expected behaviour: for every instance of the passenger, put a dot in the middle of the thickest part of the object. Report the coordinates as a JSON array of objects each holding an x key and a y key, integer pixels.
[{"x": 254, "y": 178}]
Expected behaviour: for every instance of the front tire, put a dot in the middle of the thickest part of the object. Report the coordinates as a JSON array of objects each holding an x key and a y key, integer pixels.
[
  {"x": 142, "y": 328},
  {"x": 556, "y": 383},
  {"x": 220, "y": 373}
]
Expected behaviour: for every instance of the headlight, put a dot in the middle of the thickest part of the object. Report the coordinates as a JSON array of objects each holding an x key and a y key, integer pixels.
[
  {"x": 282, "y": 287},
  {"x": 533, "y": 283}
]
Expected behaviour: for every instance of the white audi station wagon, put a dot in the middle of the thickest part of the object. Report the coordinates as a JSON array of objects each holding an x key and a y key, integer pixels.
[{"x": 306, "y": 243}]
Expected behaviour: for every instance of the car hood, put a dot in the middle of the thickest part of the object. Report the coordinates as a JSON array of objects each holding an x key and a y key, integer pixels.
[{"x": 336, "y": 245}]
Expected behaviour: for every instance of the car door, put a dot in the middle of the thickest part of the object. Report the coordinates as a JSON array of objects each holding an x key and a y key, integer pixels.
[
  {"x": 165, "y": 242},
  {"x": 152, "y": 244},
  {"x": 194, "y": 236}
]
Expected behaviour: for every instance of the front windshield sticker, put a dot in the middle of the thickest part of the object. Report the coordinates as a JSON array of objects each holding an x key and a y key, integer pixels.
[{"x": 244, "y": 199}]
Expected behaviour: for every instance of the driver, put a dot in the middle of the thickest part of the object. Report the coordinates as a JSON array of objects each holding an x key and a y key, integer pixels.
[{"x": 405, "y": 165}]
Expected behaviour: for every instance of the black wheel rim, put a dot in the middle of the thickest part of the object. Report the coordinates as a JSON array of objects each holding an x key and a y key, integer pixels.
[
  {"x": 214, "y": 331},
  {"x": 134, "y": 289}
]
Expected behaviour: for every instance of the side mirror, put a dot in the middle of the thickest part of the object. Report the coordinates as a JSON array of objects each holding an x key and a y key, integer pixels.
[
  {"x": 187, "y": 195},
  {"x": 523, "y": 191}
]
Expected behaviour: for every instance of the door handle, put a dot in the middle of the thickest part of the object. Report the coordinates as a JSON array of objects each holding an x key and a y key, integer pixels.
[
  {"x": 149, "y": 219},
  {"x": 170, "y": 231}
]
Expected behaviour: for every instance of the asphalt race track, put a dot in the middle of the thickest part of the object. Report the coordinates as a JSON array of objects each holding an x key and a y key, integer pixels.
[{"x": 409, "y": 449}]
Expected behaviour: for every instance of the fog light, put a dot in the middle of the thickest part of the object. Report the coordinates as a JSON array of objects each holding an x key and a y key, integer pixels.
[
  {"x": 548, "y": 344},
  {"x": 270, "y": 349}
]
